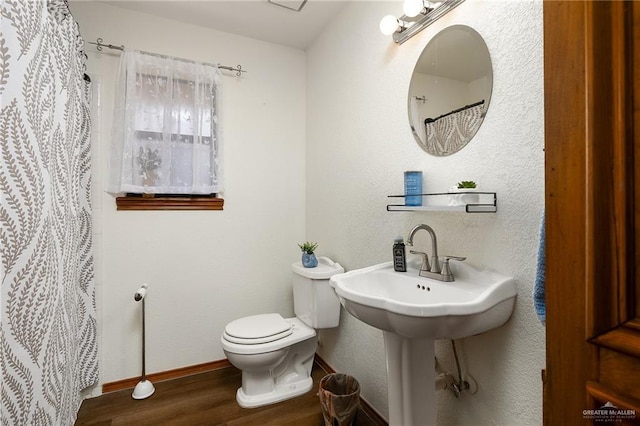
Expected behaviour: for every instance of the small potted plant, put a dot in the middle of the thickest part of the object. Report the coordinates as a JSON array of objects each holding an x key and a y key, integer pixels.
[
  {"x": 460, "y": 194},
  {"x": 466, "y": 185},
  {"x": 309, "y": 259}
]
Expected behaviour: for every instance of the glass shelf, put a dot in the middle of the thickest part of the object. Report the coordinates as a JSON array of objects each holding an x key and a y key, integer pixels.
[{"x": 439, "y": 202}]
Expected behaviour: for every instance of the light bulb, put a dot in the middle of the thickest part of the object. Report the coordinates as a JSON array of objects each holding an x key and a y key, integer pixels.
[
  {"x": 412, "y": 8},
  {"x": 388, "y": 25}
]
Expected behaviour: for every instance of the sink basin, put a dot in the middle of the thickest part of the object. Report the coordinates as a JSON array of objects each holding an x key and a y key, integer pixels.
[
  {"x": 417, "y": 307},
  {"x": 412, "y": 312}
]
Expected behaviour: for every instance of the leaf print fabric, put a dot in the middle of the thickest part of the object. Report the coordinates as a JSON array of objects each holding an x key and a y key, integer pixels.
[
  {"x": 450, "y": 134},
  {"x": 48, "y": 351}
]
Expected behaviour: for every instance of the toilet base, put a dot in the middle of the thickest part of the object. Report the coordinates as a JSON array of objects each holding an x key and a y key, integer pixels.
[{"x": 280, "y": 393}]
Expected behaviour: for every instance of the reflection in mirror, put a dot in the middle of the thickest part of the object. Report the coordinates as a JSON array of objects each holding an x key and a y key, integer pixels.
[{"x": 450, "y": 90}]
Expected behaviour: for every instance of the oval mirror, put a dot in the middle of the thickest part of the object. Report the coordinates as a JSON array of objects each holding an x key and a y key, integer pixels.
[{"x": 450, "y": 90}]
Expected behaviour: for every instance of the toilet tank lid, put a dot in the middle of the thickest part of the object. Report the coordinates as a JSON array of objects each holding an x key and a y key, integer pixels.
[{"x": 326, "y": 269}]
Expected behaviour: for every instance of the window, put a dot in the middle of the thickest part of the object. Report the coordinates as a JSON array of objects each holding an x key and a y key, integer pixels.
[{"x": 165, "y": 143}]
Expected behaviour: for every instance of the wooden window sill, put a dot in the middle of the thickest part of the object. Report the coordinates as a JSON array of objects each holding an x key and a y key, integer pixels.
[{"x": 169, "y": 203}]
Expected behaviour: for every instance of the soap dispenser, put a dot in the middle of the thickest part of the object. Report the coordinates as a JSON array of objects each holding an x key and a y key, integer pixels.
[{"x": 399, "y": 256}]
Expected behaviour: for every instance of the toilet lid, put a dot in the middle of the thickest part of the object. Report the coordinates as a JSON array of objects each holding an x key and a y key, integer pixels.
[{"x": 257, "y": 329}]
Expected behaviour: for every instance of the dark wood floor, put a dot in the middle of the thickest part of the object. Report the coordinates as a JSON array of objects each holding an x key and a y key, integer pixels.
[{"x": 204, "y": 399}]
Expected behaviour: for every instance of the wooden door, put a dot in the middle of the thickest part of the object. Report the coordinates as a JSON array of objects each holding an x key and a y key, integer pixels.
[{"x": 592, "y": 147}]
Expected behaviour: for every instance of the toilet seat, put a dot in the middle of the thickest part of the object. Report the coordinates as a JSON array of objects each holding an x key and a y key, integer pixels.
[
  {"x": 299, "y": 331},
  {"x": 257, "y": 329}
]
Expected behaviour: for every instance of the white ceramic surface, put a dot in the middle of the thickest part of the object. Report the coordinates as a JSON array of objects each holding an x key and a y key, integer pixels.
[
  {"x": 413, "y": 311},
  {"x": 416, "y": 307},
  {"x": 274, "y": 371},
  {"x": 276, "y": 354}
]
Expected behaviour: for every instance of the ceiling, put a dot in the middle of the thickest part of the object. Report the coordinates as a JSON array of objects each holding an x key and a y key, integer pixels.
[{"x": 250, "y": 18}]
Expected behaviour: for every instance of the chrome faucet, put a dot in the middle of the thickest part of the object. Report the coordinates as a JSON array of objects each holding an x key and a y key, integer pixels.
[{"x": 432, "y": 270}]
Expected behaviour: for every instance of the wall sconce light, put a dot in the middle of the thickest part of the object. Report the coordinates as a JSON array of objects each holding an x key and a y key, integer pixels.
[{"x": 418, "y": 14}]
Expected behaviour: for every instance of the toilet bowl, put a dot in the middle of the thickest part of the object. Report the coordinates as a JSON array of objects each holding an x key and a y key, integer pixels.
[{"x": 276, "y": 354}]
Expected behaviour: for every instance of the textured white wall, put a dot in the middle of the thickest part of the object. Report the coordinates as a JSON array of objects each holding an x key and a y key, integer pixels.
[
  {"x": 358, "y": 145},
  {"x": 203, "y": 268}
]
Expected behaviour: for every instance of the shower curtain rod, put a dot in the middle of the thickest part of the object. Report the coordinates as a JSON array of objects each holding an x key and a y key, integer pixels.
[
  {"x": 431, "y": 120},
  {"x": 99, "y": 43}
]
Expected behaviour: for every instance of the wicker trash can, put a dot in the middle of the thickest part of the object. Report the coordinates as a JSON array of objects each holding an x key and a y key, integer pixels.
[{"x": 339, "y": 399}]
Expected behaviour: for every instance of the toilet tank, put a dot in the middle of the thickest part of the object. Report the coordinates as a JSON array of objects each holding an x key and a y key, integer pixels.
[{"x": 314, "y": 301}]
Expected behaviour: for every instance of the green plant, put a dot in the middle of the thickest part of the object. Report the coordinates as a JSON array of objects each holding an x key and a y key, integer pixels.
[
  {"x": 466, "y": 184},
  {"x": 308, "y": 247}
]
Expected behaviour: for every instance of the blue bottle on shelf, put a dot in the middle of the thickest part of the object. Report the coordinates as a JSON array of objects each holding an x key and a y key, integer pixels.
[{"x": 413, "y": 188}]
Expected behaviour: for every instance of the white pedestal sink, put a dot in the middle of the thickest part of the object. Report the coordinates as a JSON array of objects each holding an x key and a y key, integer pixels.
[{"x": 413, "y": 312}]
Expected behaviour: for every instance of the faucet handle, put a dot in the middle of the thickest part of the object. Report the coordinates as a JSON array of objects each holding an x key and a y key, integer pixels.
[
  {"x": 446, "y": 270},
  {"x": 447, "y": 258},
  {"x": 425, "y": 260}
]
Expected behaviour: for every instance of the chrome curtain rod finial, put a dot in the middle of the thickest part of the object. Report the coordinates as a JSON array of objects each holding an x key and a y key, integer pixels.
[
  {"x": 99, "y": 45},
  {"x": 238, "y": 69}
]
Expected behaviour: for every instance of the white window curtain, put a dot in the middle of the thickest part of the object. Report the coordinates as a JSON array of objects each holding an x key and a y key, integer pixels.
[{"x": 165, "y": 129}]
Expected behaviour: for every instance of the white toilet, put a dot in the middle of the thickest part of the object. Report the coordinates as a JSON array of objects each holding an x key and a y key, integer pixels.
[{"x": 276, "y": 354}]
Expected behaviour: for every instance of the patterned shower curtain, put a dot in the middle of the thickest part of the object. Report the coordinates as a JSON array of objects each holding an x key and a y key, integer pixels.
[
  {"x": 48, "y": 348},
  {"x": 452, "y": 132}
]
